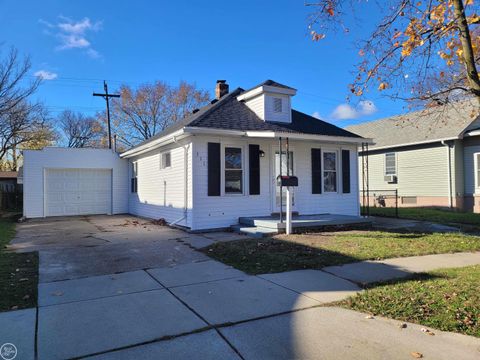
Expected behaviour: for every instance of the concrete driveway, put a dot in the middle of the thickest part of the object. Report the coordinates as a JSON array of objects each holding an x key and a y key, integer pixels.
[{"x": 75, "y": 247}]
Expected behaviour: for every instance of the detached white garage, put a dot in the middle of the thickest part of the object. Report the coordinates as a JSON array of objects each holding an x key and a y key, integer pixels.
[{"x": 63, "y": 182}]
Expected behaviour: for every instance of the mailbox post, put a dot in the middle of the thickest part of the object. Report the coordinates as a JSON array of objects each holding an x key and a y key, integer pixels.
[
  {"x": 288, "y": 225},
  {"x": 288, "y": 182}
]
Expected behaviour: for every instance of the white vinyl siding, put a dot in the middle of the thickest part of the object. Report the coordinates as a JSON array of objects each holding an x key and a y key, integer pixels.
[
  {"x": 223, "y": 211},
  {"x": 36, "y": 163},
  {"x": 161, "y": 191},
  {"x": 257, "y": 105},
  {"x": 266, "y": 106}
]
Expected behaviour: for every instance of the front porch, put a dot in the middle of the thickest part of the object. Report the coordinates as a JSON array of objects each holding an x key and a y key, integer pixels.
[{"x": 264, "y": 225}]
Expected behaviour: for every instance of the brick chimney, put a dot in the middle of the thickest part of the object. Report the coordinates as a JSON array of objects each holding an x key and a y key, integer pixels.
[{"x": 221, "y": 88}]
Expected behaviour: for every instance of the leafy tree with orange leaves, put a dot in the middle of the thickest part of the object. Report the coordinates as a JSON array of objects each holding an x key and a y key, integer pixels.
[{"x": 422, "y": 51}]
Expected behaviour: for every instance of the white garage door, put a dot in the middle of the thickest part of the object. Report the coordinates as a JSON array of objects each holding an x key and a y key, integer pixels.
[{"x": 78, "y": 192}]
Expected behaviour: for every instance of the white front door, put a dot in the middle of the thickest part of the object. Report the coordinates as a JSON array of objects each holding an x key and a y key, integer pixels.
[
  {"x": 276, "y": 171},
  {"x": 78, "y": 192}
]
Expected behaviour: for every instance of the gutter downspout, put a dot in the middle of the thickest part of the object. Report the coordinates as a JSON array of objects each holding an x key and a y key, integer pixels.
[
  {"x": 185, "y": 182},
  {"x": 450, "y": 196}
]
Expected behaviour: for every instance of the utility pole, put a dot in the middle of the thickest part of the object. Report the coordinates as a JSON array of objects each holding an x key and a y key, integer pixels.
[{"x": 107, "y": 96}]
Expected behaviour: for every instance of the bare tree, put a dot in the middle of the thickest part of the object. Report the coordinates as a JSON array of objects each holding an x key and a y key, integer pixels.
[
  {"x": 143, "y": 112},
  {"x": 14, "y": 90},
  {"x": 425, "y": 51},
  {"x": 79, "y": 130},
  {"x": 25, "y": 126},
  {"x": 22, "y": 124}
]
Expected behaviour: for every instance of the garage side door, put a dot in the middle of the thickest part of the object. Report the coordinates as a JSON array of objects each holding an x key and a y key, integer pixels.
[{"x": 78, "y": 192}]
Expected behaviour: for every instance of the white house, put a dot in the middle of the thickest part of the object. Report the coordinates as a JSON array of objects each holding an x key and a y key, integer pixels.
[{"x": 206, "y": 171}]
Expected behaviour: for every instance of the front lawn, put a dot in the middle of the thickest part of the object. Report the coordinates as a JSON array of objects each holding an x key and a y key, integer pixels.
[
  {"x": 447, "y": 300},
  {"x": 429, "y": 214},
  {"x": 18, "y": 273},
  {"x": 317, "y": 250}
]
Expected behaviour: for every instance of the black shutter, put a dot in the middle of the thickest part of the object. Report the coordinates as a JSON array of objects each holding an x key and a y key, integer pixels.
[
  {"x": 213, "y": 169},
  {"x": 254, "y": 169},
  {"x": 346, "y": 171},
  {"x": 316, "y": 171}
]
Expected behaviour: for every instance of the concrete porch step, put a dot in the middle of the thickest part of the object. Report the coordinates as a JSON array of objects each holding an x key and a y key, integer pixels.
[
  {"x": 259, "y": 222},
  {"x": 319, "y": 221},
  {"x": 253, "y": 231}
]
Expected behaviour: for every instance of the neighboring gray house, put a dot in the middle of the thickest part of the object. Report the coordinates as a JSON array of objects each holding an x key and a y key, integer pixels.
[{"x": 431, "y": 156}]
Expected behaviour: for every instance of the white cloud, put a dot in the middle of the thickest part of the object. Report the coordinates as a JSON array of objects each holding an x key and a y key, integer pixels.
[
  {"x": 80, "y": 28},
  {"x": 94, "y": 54},
  {"x": 316, "y": 114},
  {"x": 347, "y": 111},
  {"x": 73, "y": 34},
  {"x": 73, "y": 41},
  {"x": 46, "y": 75}
]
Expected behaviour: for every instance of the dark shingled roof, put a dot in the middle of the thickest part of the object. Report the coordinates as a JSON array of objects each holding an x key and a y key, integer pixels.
[
  {"x": 230, "y": 114},
  {"x": 272, "y": 83}
]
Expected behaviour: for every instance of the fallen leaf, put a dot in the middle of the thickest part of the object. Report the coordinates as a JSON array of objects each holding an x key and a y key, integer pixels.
[
  {"x": 416, "y": 355},
  {"x": 402, "y": 326},
  {"x": 369, "y": 317}
]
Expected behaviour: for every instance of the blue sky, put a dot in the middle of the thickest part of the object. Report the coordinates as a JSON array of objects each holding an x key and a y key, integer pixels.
[{"x": 80, "y": 43}]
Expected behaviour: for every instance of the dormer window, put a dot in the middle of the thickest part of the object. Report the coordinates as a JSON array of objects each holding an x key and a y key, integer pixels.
[
  {"x": 270, "y": 101},
  {"x": 277, "y": 105}
]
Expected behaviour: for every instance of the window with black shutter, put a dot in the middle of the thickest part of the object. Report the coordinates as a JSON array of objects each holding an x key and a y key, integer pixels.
[
  {"x": 254, "y": 169},
  {"x": 316, "y": 171},
  {"x": 214, "y": 169},
  {"x": 346, "y": 171}
]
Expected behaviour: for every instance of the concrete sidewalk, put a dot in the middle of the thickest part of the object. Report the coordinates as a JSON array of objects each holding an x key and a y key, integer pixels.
[
  {"x": 365, "y": 272},
  {"x": 209, "y": 310}
]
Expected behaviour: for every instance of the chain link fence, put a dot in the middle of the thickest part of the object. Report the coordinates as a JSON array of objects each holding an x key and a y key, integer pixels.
[{"x": 379, "y": 202}]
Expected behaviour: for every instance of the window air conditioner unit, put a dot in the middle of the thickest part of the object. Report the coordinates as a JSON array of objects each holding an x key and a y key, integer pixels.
[{"x": 391, "y": 179}]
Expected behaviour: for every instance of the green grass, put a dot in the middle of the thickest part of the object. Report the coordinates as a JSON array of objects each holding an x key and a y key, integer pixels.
[
  {"x": 18, "y": 273},
  {"x": 429, "y": 214},
  {"x": 317, "y": 250},
  {"x": 447, "y": 300}
]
